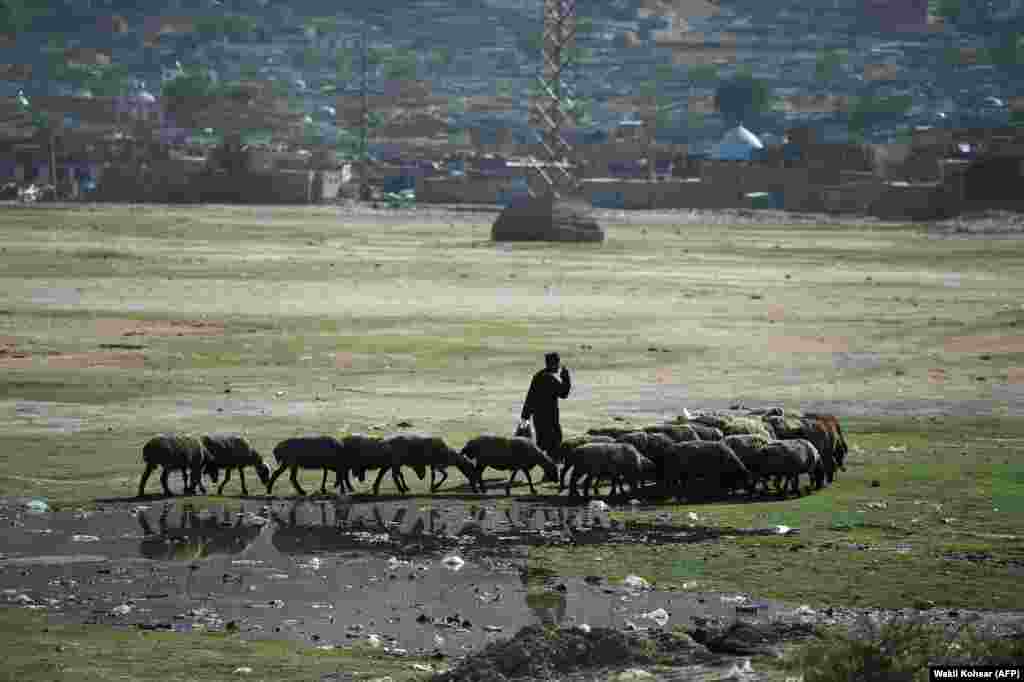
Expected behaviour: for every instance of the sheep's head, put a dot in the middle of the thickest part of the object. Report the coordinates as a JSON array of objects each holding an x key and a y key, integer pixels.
[
  {"x": 262, "y": 470},
  {"x": 464, "y": 465},
  {"x": 211, "y": 470}
]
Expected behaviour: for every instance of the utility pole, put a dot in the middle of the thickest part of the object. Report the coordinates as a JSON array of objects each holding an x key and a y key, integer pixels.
[{"x": 549, "y": 111}]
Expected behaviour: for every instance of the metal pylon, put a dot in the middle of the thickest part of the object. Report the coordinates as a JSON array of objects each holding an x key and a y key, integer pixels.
[{"x": 548, "y": 110}]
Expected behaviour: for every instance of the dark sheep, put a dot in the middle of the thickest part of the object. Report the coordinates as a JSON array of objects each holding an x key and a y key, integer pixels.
[
  {"x": 229, "y": 451},
  {"x": 504, "y": 453},
  {"x": 713, "y": 462},
  {"x": 564, "y": 454},
  {"x": 617, "y": 460},
  {"x": 420, "y": 451},
  {"x": 310, "y": 452},
  {"x": 788, "y": 459},
  {"x": 365, "y": 453},
  {"x": 748, "y": 448},
  {"x": 654, "y": 446},
  {"x": 706, "y": 432},
  {"x": 176, "y": 451}
]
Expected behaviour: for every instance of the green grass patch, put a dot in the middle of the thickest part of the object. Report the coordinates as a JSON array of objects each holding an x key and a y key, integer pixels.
[{"x": 38, "y": 648}]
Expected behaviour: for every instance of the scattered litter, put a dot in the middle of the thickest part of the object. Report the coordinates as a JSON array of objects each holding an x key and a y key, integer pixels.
[
  {"x": 453, "y": 562},
  {"x": 690, "y": 585},
  {"x": 492, "y": 628},
  {"x": 804, "y": 610},
  {"x": 785, "y": 530},
  {"x": 631, "y": 675},
  {"x": 84, "y": 538},
  {"x": 394, "y": 563},
  {"x": 693, "y": 516},
  {"x": 948, "y": 520},
  {"x": 22, "y": 599},
  {"x": 373, "y": 640},
  {"x": 246, "y": 562},
  {"x": 420, "y": 667},
  {"x": 738, "y": 599},
  {"x": 122, "y": 610},
  {"x": 278, "y": 576},
  {"x": 740, "y": 670},
  {"x": 631, "y": 626},
  {"x": 272, "y": 604},
  {"x": 394, "y": 651},
  {"x": 37, "y": 506},
  {"x": 243, "y": 670},
  {"x": 584, "y": 627},
  {"x": 659, "y": 616},
  {"x": 598, "y": 505},
  {"x": 279, "y": 393},
  {"x": 315, "y": 563},
  {"x": 319, "y": 605},
  {"x": 897, "y": 448},
  {"x": 636, "y": 582},
  {"x": 878, "y": 505}
]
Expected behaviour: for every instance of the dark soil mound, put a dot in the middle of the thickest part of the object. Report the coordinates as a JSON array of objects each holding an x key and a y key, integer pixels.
[
  {"x": 748, "y": 639},
  {"x": 537, "y": 653},
  {"x": 546, "y": 219}
]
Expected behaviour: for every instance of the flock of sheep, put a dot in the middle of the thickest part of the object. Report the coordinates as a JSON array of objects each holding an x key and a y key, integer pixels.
[{"x": 697, "y": 457}]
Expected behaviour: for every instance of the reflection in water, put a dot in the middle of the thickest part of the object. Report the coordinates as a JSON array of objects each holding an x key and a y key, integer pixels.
[
  {"x": 314, "y": 527},
  {"x": 193, "y": 536}
]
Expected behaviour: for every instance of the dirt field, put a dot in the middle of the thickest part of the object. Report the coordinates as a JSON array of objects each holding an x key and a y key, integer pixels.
[{"x": 120, "y": 322}]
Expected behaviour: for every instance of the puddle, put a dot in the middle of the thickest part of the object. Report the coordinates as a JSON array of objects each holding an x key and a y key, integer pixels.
[{"x": 334, "y": 571}]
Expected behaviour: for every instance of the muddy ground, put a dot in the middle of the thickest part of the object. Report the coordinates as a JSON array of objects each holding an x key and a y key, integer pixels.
[{"x": 441, "y": 579}]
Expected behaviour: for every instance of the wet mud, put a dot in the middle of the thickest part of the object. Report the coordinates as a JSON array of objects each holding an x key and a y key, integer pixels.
[{"x": 445, "y": 579}]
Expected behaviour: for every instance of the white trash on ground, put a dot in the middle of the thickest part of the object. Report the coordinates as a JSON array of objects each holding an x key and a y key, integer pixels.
[
  {"x": 635, "y": 582},
  {"x": 659, "y": 616}
]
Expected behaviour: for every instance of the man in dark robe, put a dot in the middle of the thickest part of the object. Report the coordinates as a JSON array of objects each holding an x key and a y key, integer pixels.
[{"x": 547, "y": 386}]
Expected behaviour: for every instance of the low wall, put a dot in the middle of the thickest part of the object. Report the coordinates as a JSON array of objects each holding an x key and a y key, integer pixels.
[{"x": 468, "y": 190}]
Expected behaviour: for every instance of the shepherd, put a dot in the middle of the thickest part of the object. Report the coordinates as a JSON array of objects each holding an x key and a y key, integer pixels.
[{"x": 547, "y": 386}]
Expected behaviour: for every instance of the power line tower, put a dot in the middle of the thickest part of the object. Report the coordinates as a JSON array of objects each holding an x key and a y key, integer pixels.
[{"x": 549, "y": 110}]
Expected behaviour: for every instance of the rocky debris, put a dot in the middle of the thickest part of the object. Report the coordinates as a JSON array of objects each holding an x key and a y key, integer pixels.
[
  {"x": 539, "y": 653},
  {"x": 749, "y": 639}
]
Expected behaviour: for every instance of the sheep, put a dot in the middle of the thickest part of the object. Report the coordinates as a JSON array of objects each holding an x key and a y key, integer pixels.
[
  {"x": 504, "y": 453},
  {"x": 677, "y": 432},
  {"x": 748, "y": 448},
  {"x": 232, "y": 451},
  {"x": 746, "y": 425},
  {"x": 705, "y": 432},
  {"x": 713, "y": 461},
  {"x": 564, "y": 453},
  {"x": 788, "y": 459},
  {"x": 652, "y": 445},
  {"x": 419, "y": 451},
  {"x": 617, "y": 460},
  {"x": 315, "y": 451},
  {"x": 364, "y": 453},
  {"x": 833, "y": 444},
  {"x": 176, "y": 451}
]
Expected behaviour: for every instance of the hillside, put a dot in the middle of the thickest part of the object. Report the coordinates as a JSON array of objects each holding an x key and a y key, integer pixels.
[{"x": 841, "y": 65}]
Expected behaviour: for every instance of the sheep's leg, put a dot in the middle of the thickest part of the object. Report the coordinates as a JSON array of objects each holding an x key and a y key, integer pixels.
[
  {"x": 529, "y": 480},
  {"x": 323, "y": 482},
  {"x": 396, "y": 476},
  {"x": 294, "y": 478},
  {"x": 273, "y": 476},
  {"x": 573, "y": 490},
  {"x": 586, "y": 486},
  {"x": 163, "y": 481},
  {"x": 227, "y": 477},
  {"x": 508, "y": 483},
  {"x": 241, "y": 479},
  {"x": 444, "y": 477},
  {"x": 376, "y": 484},
  {"x": 196, "y": 479},
  {"x": 145, "y": 477},
  {"x": 561, "y": 478},
  {"x": 480, "y": 477}
]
